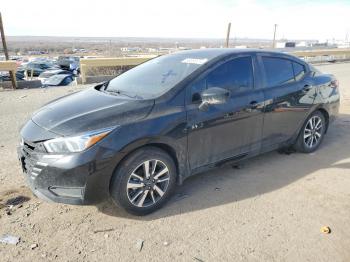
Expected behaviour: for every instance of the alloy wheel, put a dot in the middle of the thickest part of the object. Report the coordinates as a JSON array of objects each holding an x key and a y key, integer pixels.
[
  {"x": 313, "y": 131},
  {"x": 148, "y": 183}
]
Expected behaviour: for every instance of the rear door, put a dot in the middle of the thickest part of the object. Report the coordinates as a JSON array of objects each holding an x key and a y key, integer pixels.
[
  {"x": 288, "y": 98},
  {"x": 227, "y": 130}
]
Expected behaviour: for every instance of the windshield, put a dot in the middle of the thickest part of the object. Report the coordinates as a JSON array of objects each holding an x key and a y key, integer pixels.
[
  {"x": 49, "y": 73},
  {"x": 157, "y": 76},
  {"x": 46, "y": 74}
]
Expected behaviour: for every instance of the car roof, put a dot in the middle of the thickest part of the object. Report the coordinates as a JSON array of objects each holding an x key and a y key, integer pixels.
[
  {"x": 54, "y": 70},
  {"x": 216, "y": 52}
]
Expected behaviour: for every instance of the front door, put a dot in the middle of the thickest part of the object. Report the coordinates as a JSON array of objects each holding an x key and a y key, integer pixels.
[{"x": 226, "y": 130}]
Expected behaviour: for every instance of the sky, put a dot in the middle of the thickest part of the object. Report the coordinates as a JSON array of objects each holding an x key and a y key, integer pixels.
[{"x": 296, "y": 19}]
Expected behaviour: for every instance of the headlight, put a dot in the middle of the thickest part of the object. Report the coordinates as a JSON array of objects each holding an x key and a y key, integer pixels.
[{"x": 76, "y": 143}]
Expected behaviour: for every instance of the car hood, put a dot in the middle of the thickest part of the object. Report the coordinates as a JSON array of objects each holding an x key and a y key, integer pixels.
[{"x": 90, "y": 110}]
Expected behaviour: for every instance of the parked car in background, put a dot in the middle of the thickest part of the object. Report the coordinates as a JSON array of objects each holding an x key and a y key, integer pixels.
[
  {"x": 69, "y": 63},
  {"x": 58, "y": 80},
  {"x": 48, "y": 73},
  {"x": 135, "y": 137},
  {"x": 5, "y": 76},
  {"x": 36, "y": 67}
]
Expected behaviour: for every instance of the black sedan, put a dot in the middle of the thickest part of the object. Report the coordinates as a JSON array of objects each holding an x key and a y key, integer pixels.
[
  {"x": 36, "y": 68},
  {"x": 5, "y": 76},
  {"x": 137, "y": 136}
]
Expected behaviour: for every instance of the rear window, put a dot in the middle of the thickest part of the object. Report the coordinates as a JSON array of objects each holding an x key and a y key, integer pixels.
[
  {"x": 278, "y": 71},
  {"x": 315, "y": 71}
]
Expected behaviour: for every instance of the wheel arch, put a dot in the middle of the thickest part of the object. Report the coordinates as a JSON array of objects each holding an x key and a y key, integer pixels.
[
  {"x": 325, "y": 113},
  {"x": 168, "y": 148}
]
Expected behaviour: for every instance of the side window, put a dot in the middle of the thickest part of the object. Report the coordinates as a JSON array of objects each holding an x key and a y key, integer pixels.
[
  {"x": 299, "y": 71},
  {"x": 235, "y": 75},
  {"x": 278, "y": 71}
]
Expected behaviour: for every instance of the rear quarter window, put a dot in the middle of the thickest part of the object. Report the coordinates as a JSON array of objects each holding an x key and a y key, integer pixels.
[
  {"x": 315, "y": 71},
  {"x": 299, "y": 71}
]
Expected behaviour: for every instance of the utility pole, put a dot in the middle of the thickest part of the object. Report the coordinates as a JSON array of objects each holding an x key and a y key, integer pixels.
[
  {"x": 228, "y": 34},
  {"x": 274, "y": 37},
  {"x": 13, "y": 80}
]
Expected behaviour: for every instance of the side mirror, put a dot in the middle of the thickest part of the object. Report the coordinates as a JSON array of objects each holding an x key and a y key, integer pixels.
[{"x": 213, "y": 96}]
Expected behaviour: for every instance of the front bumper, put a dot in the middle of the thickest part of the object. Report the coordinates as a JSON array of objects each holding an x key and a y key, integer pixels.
[{"x": 79, "y": 178}]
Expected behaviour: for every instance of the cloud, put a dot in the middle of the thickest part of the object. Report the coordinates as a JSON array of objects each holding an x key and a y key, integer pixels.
[{"x": 181, "y": 18}]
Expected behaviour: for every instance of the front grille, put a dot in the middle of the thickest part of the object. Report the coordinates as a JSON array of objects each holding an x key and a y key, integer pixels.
[
  {"x": 28, "y": 164},
  {"x": 29, "y": 159},
  {"x": 28, "y": 145}
]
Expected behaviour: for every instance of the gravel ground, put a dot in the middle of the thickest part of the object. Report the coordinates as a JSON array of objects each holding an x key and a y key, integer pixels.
[{"x": 271, "y": 209}]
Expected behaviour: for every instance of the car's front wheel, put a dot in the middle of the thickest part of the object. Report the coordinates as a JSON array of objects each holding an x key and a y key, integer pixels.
[
  {"x": 312, "y": 133},
  {"x": 144, "y": 181}
]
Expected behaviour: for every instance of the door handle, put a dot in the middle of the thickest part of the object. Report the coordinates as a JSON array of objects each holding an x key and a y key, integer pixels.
[
  {"x": 231, "y": 115},
  {"x": 306, "y": 88},
  {"x": 192, "y": 127},
  {"x": 197, "y": 125},
  {"x": 253, "y": 105}
]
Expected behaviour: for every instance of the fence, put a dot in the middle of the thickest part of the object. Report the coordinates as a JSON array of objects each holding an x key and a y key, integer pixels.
[
  {"x": 321, "y": 56},
  {"x": 85, "y": 64},
  {"x": 317, "y": 56},
  {"x": 10, "y": 66}
]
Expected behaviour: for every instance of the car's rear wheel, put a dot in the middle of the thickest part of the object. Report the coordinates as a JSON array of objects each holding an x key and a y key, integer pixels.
[
  {"x": 312, "y": 133},
  {"x": 144, "y": 181}
]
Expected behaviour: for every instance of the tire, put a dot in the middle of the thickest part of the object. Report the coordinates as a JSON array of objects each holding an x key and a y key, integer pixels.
[
  {"x": 311, "y": 134},
  {"x": 136, "y": 191}
]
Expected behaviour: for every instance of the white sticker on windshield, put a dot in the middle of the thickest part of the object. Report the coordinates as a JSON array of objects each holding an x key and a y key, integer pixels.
[{"x": 194, "y": 61}]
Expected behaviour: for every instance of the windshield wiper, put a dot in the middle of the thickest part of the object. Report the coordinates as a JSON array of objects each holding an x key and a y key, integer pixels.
[
  {"x": 120, "y": 92},
  {"x": 105, "y": 85}
]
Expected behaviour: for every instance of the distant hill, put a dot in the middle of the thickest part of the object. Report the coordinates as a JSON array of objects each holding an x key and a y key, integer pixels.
[{"x": 124, "y": 39}]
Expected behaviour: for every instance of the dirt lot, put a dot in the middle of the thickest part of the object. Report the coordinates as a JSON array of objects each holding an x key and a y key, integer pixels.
[{"x": 272, "y": 209}]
